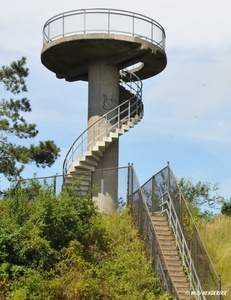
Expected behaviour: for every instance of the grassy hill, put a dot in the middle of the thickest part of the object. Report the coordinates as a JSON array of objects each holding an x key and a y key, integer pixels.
[{"x": 216, "y": 235}]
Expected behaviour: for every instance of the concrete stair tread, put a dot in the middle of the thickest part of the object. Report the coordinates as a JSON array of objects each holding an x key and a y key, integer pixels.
[
  {"x": 91, "y": 155},
  {"x": 170, "y": 253},
  {"x": 88, "y": 160}
]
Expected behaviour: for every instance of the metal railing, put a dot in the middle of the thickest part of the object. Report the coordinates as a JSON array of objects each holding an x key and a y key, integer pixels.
[
  {"x": 162, "y": 195},
  {"x": 109, "y": 122},
  {"x": 112, "y": 21}
]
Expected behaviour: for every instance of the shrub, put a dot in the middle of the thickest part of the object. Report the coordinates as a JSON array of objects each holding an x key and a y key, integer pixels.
[{"x": 226, "y": 208}]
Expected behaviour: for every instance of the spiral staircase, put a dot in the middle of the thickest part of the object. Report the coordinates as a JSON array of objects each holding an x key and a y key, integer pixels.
[{"x": 88, "y": 149}]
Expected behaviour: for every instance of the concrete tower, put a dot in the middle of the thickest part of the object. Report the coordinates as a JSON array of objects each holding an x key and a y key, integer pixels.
[{"x": 100, "y": 46}]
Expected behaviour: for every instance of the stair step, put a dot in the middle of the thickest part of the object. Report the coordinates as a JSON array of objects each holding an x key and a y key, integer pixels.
[
  {"x": 125, "y": 127},
  {"x": 88, "y": 160},
  {"x": 170, "y": 252},
  {"x": 92, "y": 155},
  {"x": 120, "y": 131},
  {"x": 101, "y": 145},
  {"x": 97, "y": 151},
  {"x": 114, "y": 135},
  {"x": 83, "y": 166},
  {"x": 107, "y": 140}
]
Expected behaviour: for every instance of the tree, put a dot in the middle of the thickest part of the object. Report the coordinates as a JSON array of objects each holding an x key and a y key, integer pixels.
[
  {"x": 13, "y": 157},
  {"x": 200, "y": 194}
]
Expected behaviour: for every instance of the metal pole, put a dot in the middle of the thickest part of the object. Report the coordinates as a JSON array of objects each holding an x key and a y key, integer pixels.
[
  {"x": 55, "y": 178},
  {"x": 219, "y": 282},
  {"x": 128, "y": 185},
  {"x": 153, "y": 194},
  {"x": 168, "y": 178}
]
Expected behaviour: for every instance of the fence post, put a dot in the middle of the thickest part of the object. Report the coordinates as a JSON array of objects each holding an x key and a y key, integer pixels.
[
  {"x": 132, "y": 183},
  {"x": 153, "y": 194},
  {"x": 55, "y": 178},
  {"x": 128, "y": 184},
  {"x": 168, "y": 177},
  {"x": 219, "y": 283}
]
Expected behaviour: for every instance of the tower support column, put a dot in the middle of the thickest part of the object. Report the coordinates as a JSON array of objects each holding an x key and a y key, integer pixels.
[{"x": 103, "y": 96}]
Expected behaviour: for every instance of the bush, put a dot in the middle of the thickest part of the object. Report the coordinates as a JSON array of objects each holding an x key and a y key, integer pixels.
[
  {"x": 60, "y": 248},
  {"x": 226, "y": 208}
]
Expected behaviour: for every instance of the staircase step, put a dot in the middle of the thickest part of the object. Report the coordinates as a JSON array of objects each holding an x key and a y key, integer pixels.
[
  {"x": 83, "y": 166},
  {"x": 101, "y": 145},
  {"x": 107, "y": 140},
  {"x": 97, "y": 151},
  {"x": 171, "y": 255},
  {"x": 88, "y": 160},
  {"x": 92, "y": 155},
  {"x": 125, "y": 127},
  {"x": 114, "y": 135}
]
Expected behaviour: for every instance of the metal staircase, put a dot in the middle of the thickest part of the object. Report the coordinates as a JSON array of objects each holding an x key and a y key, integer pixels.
[
  {"x": 173, "y": 242},
  {"x": 172, "y": 259},
  {"x": 87, "y": 150}
]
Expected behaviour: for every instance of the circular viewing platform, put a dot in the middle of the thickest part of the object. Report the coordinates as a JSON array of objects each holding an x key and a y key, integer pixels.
[{"x": 72, "y": 40}]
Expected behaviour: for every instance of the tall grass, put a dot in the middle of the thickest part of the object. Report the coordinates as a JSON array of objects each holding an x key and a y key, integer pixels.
[{"x": 216, "y": 235}]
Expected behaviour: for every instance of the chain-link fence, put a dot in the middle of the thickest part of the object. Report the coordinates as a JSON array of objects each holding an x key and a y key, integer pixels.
[
  {"x": 159, "y": 189},
  {"x": 97, "y": 181}
]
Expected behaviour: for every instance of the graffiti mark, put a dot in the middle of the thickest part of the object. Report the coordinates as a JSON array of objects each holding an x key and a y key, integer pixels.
[{"x": 109, "y": 103}]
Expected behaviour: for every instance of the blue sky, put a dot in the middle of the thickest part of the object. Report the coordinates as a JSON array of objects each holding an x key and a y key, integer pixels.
[{"x": 187, "y": 117}]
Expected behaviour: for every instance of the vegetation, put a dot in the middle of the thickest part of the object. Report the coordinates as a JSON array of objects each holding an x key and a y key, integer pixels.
[
  {"x": 226, "y": 208},
  {"x": 216, "y": 236},
  {"x": 60, "y": 247},
  {"x": 199, "y": 194},
  {"x": 13, "y": 125}
]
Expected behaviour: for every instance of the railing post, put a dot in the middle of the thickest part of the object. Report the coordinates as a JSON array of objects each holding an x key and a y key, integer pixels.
[
  {"x": 63, "y": 25},
  {"x": 132, "y": 182},
  {"x": 55, "y": 178},
  {"x": 153, "y": 194},
  {"x": 128, "y": 184},
  {"x": 219, "y": 286},
  {"x": 180, "y": 204},
  {"x": 168, "y": 178},
  {"x": 109, "y": 20},
  {"x": 84, "y": 21}
]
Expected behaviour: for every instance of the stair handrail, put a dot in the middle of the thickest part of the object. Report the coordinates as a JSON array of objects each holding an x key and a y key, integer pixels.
[
  {"x": 181, "y": 244},
  {"x": 109, "y": 121}
]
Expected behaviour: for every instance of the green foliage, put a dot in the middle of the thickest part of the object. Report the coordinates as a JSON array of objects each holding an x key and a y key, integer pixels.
[
  {"x": 200, "y": 193},
  {"x": 59, "y": 247},
  {"x": 216, "y": 236},
  {"x": 13, "y": 157},
  {"x": 226, "y": 208}
]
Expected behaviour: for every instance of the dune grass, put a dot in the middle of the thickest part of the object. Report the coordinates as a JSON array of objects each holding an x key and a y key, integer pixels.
[{"x": 216, "y": 235}]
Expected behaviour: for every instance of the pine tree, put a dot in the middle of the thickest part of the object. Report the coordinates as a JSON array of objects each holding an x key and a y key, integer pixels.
[{"x": 13, "y": 157}]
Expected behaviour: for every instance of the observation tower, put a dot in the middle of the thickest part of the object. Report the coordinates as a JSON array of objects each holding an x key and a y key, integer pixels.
[{"x": 113, "y": 50}]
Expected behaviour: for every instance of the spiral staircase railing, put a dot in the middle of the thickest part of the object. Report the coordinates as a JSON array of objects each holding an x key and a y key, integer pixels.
[{"x": 109, "y": 122}]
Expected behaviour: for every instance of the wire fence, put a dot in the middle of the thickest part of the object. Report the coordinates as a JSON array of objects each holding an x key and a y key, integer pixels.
[{"x": 156, "y": 193}]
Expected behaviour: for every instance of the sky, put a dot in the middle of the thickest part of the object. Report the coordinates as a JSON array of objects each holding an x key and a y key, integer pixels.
[{"x": 187, "y": 118}]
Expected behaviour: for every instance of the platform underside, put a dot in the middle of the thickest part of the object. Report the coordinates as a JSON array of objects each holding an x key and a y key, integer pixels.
[{"x": 70, "y": 56}]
